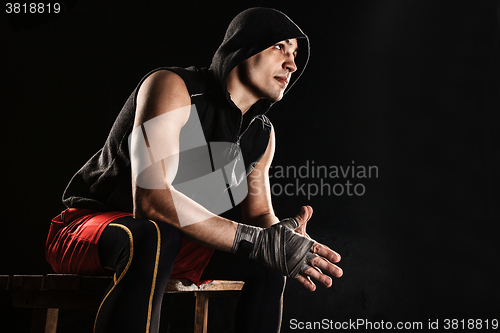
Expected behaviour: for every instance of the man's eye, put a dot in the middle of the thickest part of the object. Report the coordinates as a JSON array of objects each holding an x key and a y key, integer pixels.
[{"x": 279, "y": 46}]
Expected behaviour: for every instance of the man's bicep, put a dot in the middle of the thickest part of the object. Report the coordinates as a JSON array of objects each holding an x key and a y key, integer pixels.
[
  {"x": 163, "y": 107},
  {"x": 161, "y": 92}
]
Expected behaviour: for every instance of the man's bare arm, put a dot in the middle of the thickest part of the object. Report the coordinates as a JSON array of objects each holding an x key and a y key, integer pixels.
[
  {"x": 257, "y": 208},
  {"x": 164, "y": 93}
]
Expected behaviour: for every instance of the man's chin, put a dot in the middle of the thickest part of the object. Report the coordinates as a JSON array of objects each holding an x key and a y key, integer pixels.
[{"x": 275, "y": 98}]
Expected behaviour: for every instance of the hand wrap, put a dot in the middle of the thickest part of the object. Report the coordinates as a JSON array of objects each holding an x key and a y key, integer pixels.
[{"x": 278, "y": 247}]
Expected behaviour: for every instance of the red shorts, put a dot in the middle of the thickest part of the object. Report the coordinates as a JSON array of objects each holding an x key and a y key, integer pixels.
[{"x": 72, "y": 246}]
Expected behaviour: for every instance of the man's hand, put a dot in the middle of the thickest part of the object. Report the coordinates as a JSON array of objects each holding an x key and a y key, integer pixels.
[
  {"x": 324, "y": 260},
  {"x": 304, "y": 214},
  {"x": 288, "y": 252}
]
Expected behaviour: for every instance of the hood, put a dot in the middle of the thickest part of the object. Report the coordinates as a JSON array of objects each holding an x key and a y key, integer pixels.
[{"x": 251, "y": 32}]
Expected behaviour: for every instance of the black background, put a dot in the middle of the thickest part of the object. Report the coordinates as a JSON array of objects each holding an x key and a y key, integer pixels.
[{"x": 408, "y": 86}]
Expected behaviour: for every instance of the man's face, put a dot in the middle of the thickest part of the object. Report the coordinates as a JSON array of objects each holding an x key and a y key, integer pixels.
[{"x": 268, "y": 73}]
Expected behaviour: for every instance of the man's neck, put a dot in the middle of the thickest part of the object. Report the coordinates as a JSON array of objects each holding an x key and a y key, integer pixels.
[{"x": 240, "y": 95}]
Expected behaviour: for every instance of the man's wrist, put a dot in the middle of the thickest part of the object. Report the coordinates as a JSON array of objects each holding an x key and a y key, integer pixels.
[
  {"x": 245, "y": 240},
  {"x": 278, "y": 246}
]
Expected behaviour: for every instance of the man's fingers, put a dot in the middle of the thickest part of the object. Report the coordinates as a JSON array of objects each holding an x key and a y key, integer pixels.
[
  {"x": 318, "y": 276},
  {"x": 304, "y": 215},
  {"x": 324, "y": 265},
  {"x": 315, "y": 265},
  {"x": 325, "y": 252},
  {"x": 309, "y": 211},
  {"x": 306, "y": 282},
  {"x": 315, "y": 273}
]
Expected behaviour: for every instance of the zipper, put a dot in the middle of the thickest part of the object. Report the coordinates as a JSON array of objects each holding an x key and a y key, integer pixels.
[{"x": 238, "y": 138}]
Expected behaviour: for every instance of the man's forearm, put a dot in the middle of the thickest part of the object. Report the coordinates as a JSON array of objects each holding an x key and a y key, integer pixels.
[
  {"x": 263, "y": 221},
  {"x": 194, "y": 221}
]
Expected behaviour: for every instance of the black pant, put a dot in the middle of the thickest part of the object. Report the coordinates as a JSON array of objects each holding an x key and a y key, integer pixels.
[
  {"x": 260, "y": 303},
  {"x": 143, "y": 252}
]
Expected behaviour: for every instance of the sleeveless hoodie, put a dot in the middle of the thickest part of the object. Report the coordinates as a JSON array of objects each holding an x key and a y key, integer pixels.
[{"x": 104, "y": 182}]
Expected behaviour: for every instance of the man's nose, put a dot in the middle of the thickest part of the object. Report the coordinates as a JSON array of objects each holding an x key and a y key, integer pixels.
[{"x": 289, "y": 63}]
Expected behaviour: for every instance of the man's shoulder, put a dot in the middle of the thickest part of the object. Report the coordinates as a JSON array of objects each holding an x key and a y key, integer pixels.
[
  {"x": 197, "y": 80},
  {"x": 191, "y": 81},
  {"x": 265, "y": 121}
]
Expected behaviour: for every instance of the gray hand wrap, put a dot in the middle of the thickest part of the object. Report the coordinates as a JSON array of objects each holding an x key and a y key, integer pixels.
[{"x": 278, "y": 247}]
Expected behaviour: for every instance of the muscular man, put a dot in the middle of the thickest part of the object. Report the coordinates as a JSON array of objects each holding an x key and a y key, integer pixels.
[{"x": 184, "y": 148}]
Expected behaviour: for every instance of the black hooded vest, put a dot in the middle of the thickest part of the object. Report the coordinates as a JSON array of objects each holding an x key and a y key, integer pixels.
[{"x": 104, "y": 182}]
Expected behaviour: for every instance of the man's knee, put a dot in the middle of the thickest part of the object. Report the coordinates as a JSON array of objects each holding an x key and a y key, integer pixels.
[
  {"x": 170, "y": 238},
  {"x": 147, "y": 232}
]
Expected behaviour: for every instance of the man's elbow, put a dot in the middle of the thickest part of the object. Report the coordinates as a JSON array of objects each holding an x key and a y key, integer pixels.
[
  {"x": 142, "y": 210},
  {"x": 148, "y": 204}
]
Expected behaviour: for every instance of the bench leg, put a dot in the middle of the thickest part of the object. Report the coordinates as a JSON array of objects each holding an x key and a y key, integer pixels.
[
  {"x": 44, "y": 320},
  {"x": 201, "y": 312}
]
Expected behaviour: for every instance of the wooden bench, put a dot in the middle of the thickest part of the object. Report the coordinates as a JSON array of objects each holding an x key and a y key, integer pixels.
[{"x": 46, "y": 294}]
